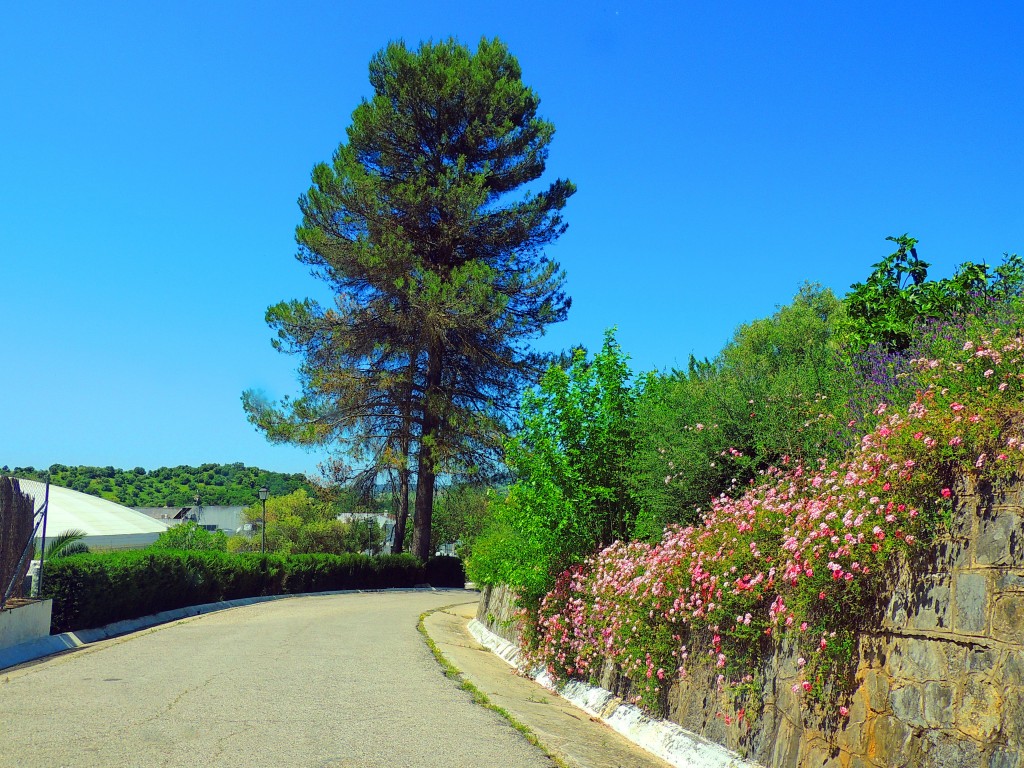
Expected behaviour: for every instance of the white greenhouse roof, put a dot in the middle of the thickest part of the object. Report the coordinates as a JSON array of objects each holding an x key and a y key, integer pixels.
[{"x": 107, "y": 525}]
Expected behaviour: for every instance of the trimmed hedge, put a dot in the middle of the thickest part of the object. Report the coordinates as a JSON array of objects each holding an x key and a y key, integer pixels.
[
  {"x": 97, "y": 589},
  {"x": 446, "y": 572}
]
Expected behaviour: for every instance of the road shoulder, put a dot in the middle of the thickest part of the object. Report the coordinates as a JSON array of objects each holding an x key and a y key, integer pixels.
[{"x": 573, "y": 736}]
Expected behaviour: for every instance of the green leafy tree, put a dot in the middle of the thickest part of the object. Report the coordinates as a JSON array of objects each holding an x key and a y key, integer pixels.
[
  {"x": 889, "y": 307},
  {"x": 460, "y": 515},
  {"x": 300, "y": 524},
  {"x": 439, "y": 274},
  {"x": 191, "y": 536},
  {"x": 571, "y": 459},
  {"x": 778, "y": 391}
]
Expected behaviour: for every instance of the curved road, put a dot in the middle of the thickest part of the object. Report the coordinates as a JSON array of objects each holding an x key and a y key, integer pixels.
[{"x": 339, "y": 681}]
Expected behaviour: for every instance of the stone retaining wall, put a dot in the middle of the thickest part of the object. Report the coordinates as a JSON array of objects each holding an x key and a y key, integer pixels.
[{"x": 938, "y": 683}]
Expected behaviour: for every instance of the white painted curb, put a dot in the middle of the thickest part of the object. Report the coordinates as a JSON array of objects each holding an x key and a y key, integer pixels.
[{"x": 669, "y": 741}]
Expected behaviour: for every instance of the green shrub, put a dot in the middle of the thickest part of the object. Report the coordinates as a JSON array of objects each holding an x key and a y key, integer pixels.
[
  {"x": 189, "y": 535},
  {"x": 445, "y": 572}
]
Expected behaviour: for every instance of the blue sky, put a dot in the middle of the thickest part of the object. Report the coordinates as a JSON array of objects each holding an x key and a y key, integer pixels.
[{"x": 151, "y": 155}]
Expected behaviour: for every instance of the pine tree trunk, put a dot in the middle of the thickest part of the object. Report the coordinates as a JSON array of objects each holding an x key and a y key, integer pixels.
[
  {"x": 404, "y": 446},
  {"x": 402, "y": 516},
  {"x": 425, "y": 473}
]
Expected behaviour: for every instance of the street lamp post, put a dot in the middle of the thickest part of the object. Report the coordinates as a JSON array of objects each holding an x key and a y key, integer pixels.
[{"x": 264, "y": 493}]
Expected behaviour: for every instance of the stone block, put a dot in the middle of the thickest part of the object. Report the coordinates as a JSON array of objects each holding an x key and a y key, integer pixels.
[
  {"x": 959, "y": 554},
  {"x": 897, "y": 612},
  {"x": 1005, "y": 757},
  {"x": 853, "y": 733},
  {"x": 813, "y": 755},
  {"x": 978, "y": 715},
  {"x": 930, "y": 608},
  {"x": 924, "y": 659},
  {"x": 1008, "y": 618},
  {"x": 999, "y": 539},
  {"x": 970, "y": 602},
  {"x": 948, "y": 749},
  {"x": 891, "y": 740},
  {"x": 938, "y": 704},
  {"x": 952, "y": 552},
  {"x": 962, "y": 525},
  {"x": 907, "y": 705},
  {"x": 1012, "y": 671},
  {"x": 1012, "y": 716},
  {"x": 982, "y": 660},
  {"x": 876, "y": 684},
  {"x": 787, "y": 746},
  {"x": 1011, "y": 581}
]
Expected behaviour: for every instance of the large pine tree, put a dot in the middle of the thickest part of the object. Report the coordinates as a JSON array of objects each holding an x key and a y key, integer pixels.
[{"x": 438, "y": 268}]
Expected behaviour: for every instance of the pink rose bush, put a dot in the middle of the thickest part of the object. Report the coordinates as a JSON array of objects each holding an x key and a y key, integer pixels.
[{"x": 800, "y": 555}]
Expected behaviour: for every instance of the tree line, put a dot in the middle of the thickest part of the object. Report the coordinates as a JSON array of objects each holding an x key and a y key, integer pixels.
[{"x": 214, "y": 484}]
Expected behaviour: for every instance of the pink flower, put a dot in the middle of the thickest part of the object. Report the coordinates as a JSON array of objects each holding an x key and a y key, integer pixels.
[
  {"x": 844, "y": 712},
  {"x": 955, "y": 441},
  {"x": 806, "y": 685},
  {"x": 946, "y": 493},
  {"x": 988, "y": 373}
]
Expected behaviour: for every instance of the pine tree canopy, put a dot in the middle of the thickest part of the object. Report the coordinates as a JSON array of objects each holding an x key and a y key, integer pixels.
[{"x": 434, "y": 250}]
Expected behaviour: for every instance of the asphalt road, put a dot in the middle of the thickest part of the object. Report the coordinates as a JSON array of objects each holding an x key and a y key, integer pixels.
[{"x": 341, "y": 681}]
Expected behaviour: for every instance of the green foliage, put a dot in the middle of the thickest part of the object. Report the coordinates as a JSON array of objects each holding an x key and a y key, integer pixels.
[
  {"x": 98, "y": 589},
  {"x": 571, "y": 459},
  {"x": 215, "y": 484},
  {"x": 779, "y": 389},
  {"x": 897, "y": 297},
  {"x": 190, "y": 536}
]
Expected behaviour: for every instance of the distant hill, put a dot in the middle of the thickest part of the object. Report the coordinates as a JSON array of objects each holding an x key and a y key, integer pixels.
[{"x": 216, "y": 484}]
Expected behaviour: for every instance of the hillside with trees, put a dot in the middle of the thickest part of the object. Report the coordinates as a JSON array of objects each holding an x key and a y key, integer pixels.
[{"x": 215, "y": 484}]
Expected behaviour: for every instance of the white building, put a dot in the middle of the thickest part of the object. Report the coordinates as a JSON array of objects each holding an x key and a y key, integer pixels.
[{"x": 106, "y": 525}]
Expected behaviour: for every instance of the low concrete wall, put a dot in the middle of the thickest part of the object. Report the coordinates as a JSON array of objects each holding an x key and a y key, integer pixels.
[
  {"x": 25, "y": 623},
  {"x": 938, "y": 683}
]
